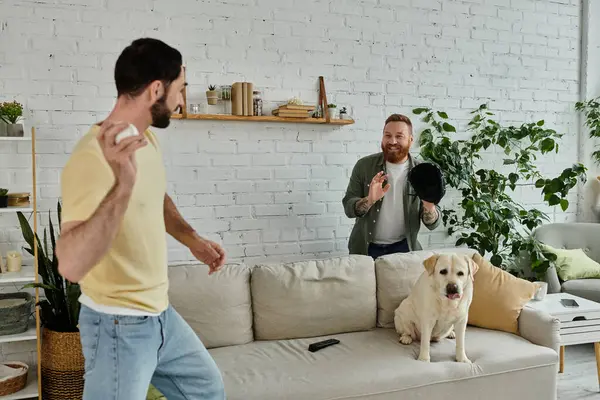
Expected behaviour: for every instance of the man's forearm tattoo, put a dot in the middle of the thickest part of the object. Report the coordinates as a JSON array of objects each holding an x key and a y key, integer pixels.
[
  {"x": 430, "y": 216},
  {"x": 362, "y": 206}
]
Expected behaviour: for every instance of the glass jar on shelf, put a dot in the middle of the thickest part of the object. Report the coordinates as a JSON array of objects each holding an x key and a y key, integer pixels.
[
  {"x": 194, "y": 108},
  {"x": 226, "y": 92},
  {"x": 257, "y": 103}
]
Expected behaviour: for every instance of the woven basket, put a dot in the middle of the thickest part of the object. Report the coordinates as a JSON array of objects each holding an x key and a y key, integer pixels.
[
  {"x": 63, "y": 365},
  {"x": 16, "y": 383},
  {"x": 14, "y": 319},
  {"x": 18, "y": 200}
]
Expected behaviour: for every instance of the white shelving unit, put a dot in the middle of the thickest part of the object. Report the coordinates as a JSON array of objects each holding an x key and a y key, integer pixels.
[
  {"x": 29, "y": 334},
  {"x": 27, "y": 274},
  {"x": 16, "y": 209},
  {"x": 14, "y": 139}
]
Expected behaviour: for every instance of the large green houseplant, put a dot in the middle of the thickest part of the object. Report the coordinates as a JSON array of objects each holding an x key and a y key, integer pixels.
[{"x": 489, "y": 219}]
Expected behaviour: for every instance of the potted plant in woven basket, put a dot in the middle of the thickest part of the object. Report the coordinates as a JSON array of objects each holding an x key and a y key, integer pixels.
[
  {"x": 62, "y": 358},
  {"x": 63, "y": 364},
  {"x": 212, "y": 97}
]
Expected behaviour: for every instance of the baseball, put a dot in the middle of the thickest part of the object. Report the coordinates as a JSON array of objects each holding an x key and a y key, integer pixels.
[{"x": 131, "y": 130}]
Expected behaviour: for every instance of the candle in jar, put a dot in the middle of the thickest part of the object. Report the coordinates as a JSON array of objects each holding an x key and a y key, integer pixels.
[{"x": 13, "y": 261}]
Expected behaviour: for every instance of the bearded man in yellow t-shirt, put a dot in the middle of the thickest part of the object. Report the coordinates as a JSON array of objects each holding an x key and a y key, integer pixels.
[{"x": 114, "y": 218}]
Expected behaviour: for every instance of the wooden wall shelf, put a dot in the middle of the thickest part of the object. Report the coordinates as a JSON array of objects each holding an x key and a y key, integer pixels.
[{"x": 263, "y": 118}]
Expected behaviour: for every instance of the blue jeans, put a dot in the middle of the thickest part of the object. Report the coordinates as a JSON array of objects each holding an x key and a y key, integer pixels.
[
  {"x": 378, "y": 250},
  {"x": 124, "y": 354}
]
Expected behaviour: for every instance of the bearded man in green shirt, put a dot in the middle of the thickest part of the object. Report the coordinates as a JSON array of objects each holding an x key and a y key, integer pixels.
[{"x": 379, "y": 196}]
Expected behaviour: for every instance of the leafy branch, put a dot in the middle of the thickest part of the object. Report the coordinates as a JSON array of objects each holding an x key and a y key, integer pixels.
[
  {"x": 60, "y": 308},
  {"x": 591, "y": 111}
]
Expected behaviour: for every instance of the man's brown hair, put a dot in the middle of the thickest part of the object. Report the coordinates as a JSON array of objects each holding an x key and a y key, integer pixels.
[{"x": 399, "y": 118}]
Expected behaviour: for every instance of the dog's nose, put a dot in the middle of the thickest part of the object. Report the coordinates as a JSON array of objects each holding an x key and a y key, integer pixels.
[{"x": 452, "y": 288}]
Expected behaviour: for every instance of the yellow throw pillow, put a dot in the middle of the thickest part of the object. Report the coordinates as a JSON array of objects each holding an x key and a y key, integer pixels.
[
  {"x": 498, "y": 297},
  {"x": 574, "y": 264}
]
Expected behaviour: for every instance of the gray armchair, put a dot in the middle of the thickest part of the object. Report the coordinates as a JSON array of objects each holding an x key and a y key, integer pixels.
[{"x": 574, "y": 235}]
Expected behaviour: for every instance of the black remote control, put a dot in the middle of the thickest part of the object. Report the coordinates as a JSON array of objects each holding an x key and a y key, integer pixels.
[{"x": 321, "y": 345}]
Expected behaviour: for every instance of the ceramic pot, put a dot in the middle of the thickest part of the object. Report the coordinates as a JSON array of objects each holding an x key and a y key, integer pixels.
[
  {"x": 331, "y": 112},
  {"x": 14, "y": 130}
]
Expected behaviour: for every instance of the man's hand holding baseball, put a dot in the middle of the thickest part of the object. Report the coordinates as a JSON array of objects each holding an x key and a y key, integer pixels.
[{"x": 121, "y": 156}]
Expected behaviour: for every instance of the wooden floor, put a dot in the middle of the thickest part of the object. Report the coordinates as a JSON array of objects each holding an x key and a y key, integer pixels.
[{"x": 580, "y": 379}]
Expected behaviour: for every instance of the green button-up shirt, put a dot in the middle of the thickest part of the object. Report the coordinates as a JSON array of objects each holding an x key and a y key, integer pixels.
[{"x": 364, "y": 228}]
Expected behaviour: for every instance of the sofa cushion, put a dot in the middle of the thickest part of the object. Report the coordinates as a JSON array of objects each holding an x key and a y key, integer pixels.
[
  {"x": 397, "y": 274},
  {"x": 586, "y": 288},
  {"x": 498, "y": 297},
  {"x": 315, "y": 297},
  {"x": 574, "y": 264},
  {"x": 217, "y": 307},
  {"x": 375, "y": 365}
]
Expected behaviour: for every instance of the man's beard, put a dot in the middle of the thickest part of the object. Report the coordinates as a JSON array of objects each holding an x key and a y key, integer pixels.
[
  {"x": 161, "y": 115},
  {"x": 394, "y": 156}
]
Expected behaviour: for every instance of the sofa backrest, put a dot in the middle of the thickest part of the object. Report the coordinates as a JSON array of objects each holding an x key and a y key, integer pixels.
[
  {"x": 217, "y": 307},
  {"x": 314, "y": 298},
  {"x": 396, "y": 275},
  {"x": 296, "y": 299}
]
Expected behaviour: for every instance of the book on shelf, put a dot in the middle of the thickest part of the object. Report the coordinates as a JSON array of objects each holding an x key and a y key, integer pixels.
[
  {"x": 297, "y": 107},
  {"x": 242, "y": 102},
  {"x": 249, "y": 98},
  {"x": 291, "y": 114}
]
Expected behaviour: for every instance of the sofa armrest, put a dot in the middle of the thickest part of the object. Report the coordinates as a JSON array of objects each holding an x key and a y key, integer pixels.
[{"x": 540, "y": 328}]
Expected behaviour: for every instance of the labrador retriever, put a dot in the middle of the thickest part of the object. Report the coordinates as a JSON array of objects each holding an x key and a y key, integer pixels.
[{"x": 438, "y": 304}]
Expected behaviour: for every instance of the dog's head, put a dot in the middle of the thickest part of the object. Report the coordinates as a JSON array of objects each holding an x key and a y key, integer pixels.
[{"x": 451, "y": 273}]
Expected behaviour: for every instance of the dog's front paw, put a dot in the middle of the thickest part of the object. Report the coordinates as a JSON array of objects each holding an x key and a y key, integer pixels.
[
  {"x": 424, "y": 357},
  {"x": 462, "y": 358},
  {"x": 406, "y": 339},
  {"x": 451, "y": 335}
]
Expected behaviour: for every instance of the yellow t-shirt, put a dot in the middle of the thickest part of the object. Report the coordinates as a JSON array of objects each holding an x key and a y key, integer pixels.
[{"x": 133, "y": 273}]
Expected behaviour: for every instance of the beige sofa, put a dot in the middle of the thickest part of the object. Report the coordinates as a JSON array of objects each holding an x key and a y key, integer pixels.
[{"x": 258, "y": 322}]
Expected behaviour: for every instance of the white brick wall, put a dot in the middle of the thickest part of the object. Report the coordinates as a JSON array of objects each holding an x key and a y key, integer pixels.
[{"x": 268, "y": 190}]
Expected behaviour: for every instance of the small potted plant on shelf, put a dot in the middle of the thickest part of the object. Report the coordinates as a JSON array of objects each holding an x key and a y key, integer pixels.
[
  {"x": 11, "y": 113},
  {"x": 212, "y": 97},
  {"x": 343, "y": 113},
  {"x": 3, "y": 198},
  {"x": 331, "y": 108}
]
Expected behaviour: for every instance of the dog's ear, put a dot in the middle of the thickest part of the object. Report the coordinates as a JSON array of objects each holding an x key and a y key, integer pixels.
[
  {"x": 430, "y": 263},
  {"x": 473, "y": 267}
]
